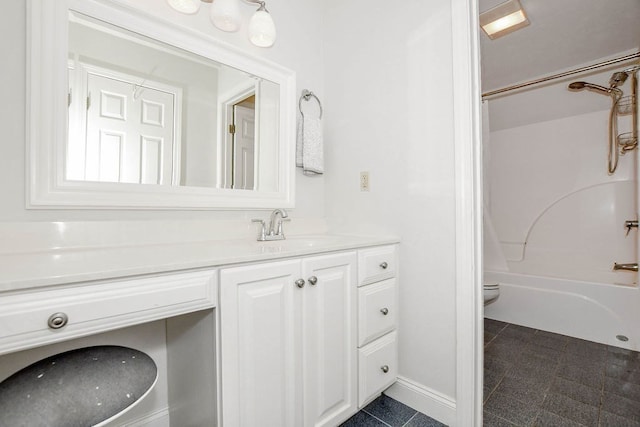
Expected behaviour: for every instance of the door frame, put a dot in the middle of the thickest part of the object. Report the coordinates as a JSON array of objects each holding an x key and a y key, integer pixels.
[
  {"x": 467, "y": 107},
  {"x": 225, "y": 118}
]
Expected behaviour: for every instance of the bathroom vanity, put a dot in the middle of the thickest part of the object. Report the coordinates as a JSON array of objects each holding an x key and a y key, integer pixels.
[
  {"x": 299, "y": 332},
  {"x": 295, "y": 332}
]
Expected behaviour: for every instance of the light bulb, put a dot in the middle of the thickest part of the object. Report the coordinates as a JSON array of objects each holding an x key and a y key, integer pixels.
[
  {"x": 185, "y": 6},
  {"x": 225, "y": 14},
  {"x": 262, "y": 30}
]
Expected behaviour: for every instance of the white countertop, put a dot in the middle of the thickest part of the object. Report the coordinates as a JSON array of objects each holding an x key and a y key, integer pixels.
[{"x": 35, "y": 269}]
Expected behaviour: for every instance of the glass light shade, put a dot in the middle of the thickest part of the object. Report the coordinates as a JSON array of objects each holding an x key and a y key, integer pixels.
[
  {"x": 225, "y": 15},
  {"x": 262, "y": 30},
  {"x": 185, "y": 6}
]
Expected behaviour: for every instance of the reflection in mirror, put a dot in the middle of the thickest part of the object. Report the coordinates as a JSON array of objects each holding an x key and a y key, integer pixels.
[{"x": 144, "y": 112}]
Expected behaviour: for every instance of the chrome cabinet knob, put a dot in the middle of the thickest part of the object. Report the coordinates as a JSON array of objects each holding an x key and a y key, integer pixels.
[
  {"x": 385, "y": 368},
  {"x": 312, "y": 280},
  {"x": 58, "y": 320},
  {"x": 384, "y": 311},
  {"x": 300, "y": 283},
  {"x": 384, "y": 265}
]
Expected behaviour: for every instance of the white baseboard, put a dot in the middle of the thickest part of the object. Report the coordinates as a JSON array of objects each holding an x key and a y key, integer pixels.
[{"x": 423, "y": 399}]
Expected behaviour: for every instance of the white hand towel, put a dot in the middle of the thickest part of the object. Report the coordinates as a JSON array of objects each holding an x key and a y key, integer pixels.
[
  {"x": 312, "y": 146},
  {"x": 299, "y": 141}
]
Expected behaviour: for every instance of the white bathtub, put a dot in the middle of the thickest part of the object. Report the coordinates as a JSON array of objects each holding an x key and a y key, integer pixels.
[{"x": 591, "y": 311}]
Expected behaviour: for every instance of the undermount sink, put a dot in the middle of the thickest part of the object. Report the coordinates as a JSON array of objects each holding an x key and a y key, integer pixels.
[
  {"x": 314, "y": 240},
  {"x": 307, "y": 241}
]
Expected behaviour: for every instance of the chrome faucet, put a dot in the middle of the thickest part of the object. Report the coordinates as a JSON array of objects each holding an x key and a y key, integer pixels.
[{"x": 275, "y": 230}]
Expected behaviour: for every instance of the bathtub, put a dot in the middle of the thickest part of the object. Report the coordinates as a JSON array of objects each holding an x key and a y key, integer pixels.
[{"x": 592, "y": 311}]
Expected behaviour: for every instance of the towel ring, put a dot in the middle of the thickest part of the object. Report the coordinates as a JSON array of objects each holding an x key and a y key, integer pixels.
[{"x": 306, "y": 95}]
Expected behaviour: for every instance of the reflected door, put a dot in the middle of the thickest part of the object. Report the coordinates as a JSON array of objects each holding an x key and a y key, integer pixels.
[
  {"x": 130, "y": 132},
  {"x": 244, "y": 147}
]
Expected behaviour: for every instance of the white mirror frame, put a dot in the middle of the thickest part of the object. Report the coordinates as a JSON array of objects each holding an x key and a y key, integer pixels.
[{"x": 47, "y": 82}]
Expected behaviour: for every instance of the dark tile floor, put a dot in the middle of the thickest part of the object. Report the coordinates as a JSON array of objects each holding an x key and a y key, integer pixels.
[
  {"x": 537, "y": 378},
  {"x": 385, "y": 412}
]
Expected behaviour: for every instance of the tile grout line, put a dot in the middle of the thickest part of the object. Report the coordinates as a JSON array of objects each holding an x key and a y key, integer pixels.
[
  {"x": 604, "y": 379},
  {"x": 382, "y": 421},
  {"x": 563, "y": 350},
  {"x": 501, "y": 418},
  {"x": 409, "y": 420}
]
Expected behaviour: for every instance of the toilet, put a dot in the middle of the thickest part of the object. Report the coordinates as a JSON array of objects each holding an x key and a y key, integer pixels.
[{"x": 491, "y": 292}]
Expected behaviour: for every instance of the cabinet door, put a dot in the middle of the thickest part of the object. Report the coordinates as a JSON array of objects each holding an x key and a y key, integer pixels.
[
  {"x": 259, "y": 329},
  {"x": 329, "y": 339}
]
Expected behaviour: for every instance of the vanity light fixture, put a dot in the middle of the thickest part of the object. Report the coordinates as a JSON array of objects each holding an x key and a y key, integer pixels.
[
  {"x": 225, "y": 15},
  {"x": 503, "y": 19},
  {"x": 262, "y": 30},
  {"x": 185, "y": 6}
]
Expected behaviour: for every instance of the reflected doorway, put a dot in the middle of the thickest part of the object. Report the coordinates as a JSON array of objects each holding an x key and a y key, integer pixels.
[
  {"x": 240, "y": 141},
  {"x": 243, "y": 144}
]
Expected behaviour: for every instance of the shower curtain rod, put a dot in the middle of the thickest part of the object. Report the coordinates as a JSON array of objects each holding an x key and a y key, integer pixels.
[{"x": 560, "y": 75}]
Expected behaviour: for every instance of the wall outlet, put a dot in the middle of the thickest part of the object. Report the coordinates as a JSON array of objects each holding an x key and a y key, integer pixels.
[{"x": 364, "y": 181}]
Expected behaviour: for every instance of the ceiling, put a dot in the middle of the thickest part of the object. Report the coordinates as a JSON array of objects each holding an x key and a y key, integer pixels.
[{"x": 563, "y": 34}]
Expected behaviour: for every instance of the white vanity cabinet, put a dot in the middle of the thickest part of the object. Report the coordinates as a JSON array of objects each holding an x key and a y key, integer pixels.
[
  {"x": 283, "y": 334},
  {"x": 37, "y": 317},
  {"x": 377, "y": 321},
  {"x": 288, "y": 339},
  {"x": 168, "y": 316}
]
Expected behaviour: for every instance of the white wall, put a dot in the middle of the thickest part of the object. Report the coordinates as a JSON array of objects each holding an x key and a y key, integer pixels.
[
  {"x": 384, "y": 75},
  {"x": 298, "y": 47},
  {"x": 389, "y": 111},
  {"x": 549, "y": 186}
]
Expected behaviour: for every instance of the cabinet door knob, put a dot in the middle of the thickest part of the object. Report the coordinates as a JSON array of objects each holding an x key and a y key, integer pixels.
[
  {"x": 384, "y": 265},
  {"x": 385, "y": 368},
  {"x": 312, "y": 280},
  {"x": 384, "y": 311},
  {"x": 57, "y": 320},
  {"x": 300, "y": 283}
]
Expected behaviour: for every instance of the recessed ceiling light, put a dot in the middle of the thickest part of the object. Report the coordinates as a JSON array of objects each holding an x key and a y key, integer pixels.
[{"x": 503, "y": 19}]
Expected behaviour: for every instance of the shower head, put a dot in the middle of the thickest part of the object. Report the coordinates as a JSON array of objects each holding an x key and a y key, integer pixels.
[
  {"x": 590, "y": 86},
  {"x": 612, "y": 91},
  {"x": 618, "y": 79},
  {"x": 577, "y": 85}
]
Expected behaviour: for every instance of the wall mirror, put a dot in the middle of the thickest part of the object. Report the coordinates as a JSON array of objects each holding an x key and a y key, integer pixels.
[{"x": 128, "y": 111}]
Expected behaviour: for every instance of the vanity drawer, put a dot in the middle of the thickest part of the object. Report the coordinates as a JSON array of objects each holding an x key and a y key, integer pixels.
[
  {"x": 376, "y": 310},
  {"x": 378, "y": 367},
  {"x": 376, "y": 264},
  {"x": 100, "y": 306}
]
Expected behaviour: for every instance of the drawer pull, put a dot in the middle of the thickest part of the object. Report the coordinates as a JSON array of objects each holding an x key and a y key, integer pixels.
[
  {"x": 385, "y": 368},
  {"x": 384, "y": 311},
  {"x": 57, "y": 320},
  {"x": 313, "y": 280},
  {"x": 384, "y": 265},
  {"x": 300, "y": 283}
]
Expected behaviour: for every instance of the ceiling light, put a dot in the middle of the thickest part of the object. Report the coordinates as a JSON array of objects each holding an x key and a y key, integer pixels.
[
  {"x": 503, "y": 19},
  {"x": 225, "y": 15}
]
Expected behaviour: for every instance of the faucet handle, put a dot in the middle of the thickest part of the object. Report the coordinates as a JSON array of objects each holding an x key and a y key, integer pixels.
[
  {"x": 263, "y": 232},
  {"x": 280, "y": 231}
]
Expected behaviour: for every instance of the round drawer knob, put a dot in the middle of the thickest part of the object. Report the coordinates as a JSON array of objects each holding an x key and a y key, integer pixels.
[
  {"x": 313, "y": 280},
  {"x": 384, "y": 311},
  {"x": 57, "y": 320},
  {"x": 300, "y": 283},
  {"x": 384, "y": 265},
  {"x": 385, "y": 368}
]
